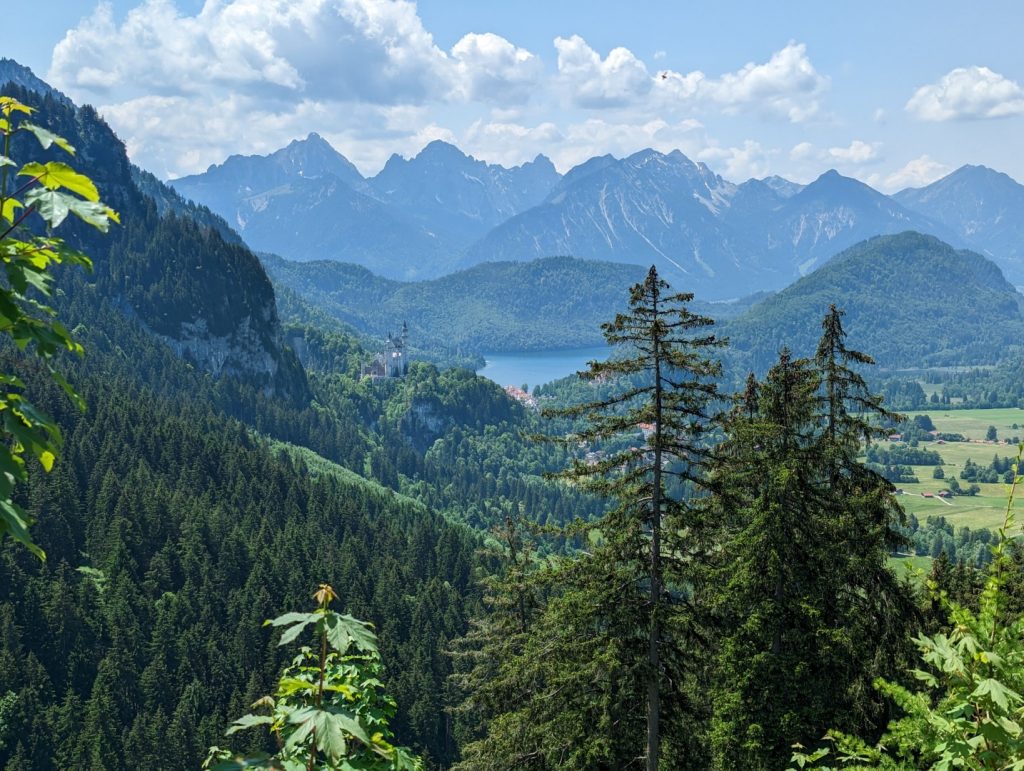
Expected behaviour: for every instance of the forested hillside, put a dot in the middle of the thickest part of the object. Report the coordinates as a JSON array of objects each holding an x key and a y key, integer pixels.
[
  {"x": 191, "y": 502},
  {"x": 910, "y": 299},
  {"x": 500, "y": 306},
  {"x": 169, "y": 265}
]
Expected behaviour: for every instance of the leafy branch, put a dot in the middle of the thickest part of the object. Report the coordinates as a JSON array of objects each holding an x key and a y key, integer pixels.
[
  {"x": 53, "y": 191},
  {"x": 329, "y": 711}
]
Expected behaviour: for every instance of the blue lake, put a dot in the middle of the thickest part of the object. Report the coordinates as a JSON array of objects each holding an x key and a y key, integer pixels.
[{"x": 538, "y": 367}]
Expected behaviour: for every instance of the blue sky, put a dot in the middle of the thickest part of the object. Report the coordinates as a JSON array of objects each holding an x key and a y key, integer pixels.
[{"x": 894, "y": 93}]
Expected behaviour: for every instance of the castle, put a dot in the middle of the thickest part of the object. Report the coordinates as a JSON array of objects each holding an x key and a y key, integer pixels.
[{"x": 392, "y": 362}]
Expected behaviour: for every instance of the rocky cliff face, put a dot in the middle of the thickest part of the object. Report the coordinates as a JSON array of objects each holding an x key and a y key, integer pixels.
[{"x": 174, "y": 268}]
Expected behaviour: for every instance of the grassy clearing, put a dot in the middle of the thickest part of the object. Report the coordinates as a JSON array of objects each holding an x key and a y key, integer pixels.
[
  {"x": 987, "y": 508},
  {"x": 910, "y": 566}
]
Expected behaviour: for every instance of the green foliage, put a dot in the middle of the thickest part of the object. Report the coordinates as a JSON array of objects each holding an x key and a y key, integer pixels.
[
  {"x": 329, "y": 711},
  {"x": 52, "y": 191},
  {"x": 489, "y": 678},
  {"x": 970, "y": 712}
]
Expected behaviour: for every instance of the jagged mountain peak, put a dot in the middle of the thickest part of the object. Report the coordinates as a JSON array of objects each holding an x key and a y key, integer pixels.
[
  {"x": 968, "y": 174},
  {"x": 541, "y": 161},
  {"x": 457, "y": 196},
  {"x": 784, "y": 187},
  {"x": 832, "y": 186},
  {"x": 310, "y": 157}
]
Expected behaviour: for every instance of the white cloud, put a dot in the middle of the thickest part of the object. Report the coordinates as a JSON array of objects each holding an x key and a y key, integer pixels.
[
  {"x": 674, "y": 88},
  {"x": 247, "y": 76},
  {"x": 802, "y": 151},
  {"x": 490, "y": 68},
  {"x": 916, "y": 173},
  {"x": 250, "y": 75},
  {"x": 368, "y": 50},
  {"x": 596, "y": 137},
  {"x": 967, "y": 93},
  {"x": 617, "y": 80},
  {"x": 858, "y": 152},
  {"x": 787, "y": 85},
  {"x": 511, "y": 144},
  {"x": 739, "y": 163}
]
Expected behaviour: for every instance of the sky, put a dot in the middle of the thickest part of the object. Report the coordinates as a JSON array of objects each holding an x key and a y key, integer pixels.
[{"x": 894, "y": 93}]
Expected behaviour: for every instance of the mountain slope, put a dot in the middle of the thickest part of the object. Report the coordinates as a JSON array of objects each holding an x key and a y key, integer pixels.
[
  {"x": 204, "y": 296},
  {"x": 503, "y": 306},
  {"x": 648, "y": 208},
  {"x": 458, "y": 197},
  {"x": 985, "y": 208},
  {"x": 910, "y": 300},
  {"x": 835, "y": 212},
  {"x": 226, "y": 187},
  {"x": 322, "y": 218},
  {"x": 22, "y": 76},
  {"x": 307, "y": 202},
  {"x": 706, "y": 234}
]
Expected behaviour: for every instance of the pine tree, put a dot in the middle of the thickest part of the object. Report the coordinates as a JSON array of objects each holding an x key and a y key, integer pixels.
[
  {"x": 810, "y": 613},
  {"x": 609, "y": 656}
]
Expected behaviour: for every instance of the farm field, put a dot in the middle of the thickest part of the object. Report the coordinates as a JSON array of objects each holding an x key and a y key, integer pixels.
[{"x": 985, "y": 509}]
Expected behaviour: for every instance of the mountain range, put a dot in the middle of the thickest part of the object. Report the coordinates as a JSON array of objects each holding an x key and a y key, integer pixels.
[{"x": 441, "y": 211}]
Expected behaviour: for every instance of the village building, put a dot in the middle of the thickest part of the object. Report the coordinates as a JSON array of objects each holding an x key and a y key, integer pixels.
[{"x": 522, "y": 396}]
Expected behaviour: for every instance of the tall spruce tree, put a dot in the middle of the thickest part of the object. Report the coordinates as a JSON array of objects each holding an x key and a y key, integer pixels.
[
  {"x": 810, "y": 612},
  {"x": 608, "y": 657},
  {"x": 766, "y": 690},
  {"x": 867, "y": 607}
]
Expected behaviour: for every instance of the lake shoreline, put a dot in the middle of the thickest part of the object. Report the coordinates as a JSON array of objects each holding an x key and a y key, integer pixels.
[{"x": 535, "y": 368}]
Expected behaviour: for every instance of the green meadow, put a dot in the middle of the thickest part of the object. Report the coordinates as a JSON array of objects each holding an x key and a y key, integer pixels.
[{"x": 988, "y": 507}]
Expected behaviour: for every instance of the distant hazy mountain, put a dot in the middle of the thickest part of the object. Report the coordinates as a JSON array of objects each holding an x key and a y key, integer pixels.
[
  {"x": 458, "y": 197},
  {"x": 782, "y": 186},
  {"x": 323, "y": 218},
  {"x": 982, "y": 206},
  {"x": 647, "y": 208},
  {"x": 709, "y": 235},
  {"x": 308, "y": 202},
  {"x": 835, "y": 212},
  {"x": 442, "y": 210},
  {"x": 228, "y": 188},
  {"x": 910, "y": 300}
]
